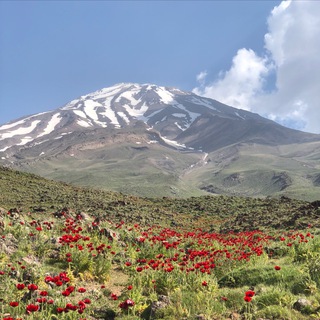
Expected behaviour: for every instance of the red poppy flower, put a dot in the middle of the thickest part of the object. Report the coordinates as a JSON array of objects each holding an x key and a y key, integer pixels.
[
  {"x": 277, "y": 268},
  {"x": 70, "y": 306},
  {"x": 113, "y": 296},
  {"x": 126, "y": 304},
  {"x": 32, "y": 307},
  {"x": 65, "y": 293},
  {"x": 70, "y": 289},
  {"x": 249, "y": 293},
  {"x": 14, "y": 304},
  {"x": 82, "y": 290},
  {"x": 20, "y": 286},
  {"x": 87, "y": 301},
  {"x": 32, "y": 287},
  {"x": 247, "y": 299},
  {"x": 48, "y": 279},
  {"x": 60, "y": 310}
]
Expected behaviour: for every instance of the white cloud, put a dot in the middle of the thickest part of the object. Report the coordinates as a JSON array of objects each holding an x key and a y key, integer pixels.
[
  {"x": 201, "y": 77},
  {"x": 238, "y": 86},
  {"x": 292, "y": 49}
]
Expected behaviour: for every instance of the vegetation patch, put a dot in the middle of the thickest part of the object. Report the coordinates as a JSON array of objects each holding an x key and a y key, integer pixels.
[{"x": 124, "y": 257}]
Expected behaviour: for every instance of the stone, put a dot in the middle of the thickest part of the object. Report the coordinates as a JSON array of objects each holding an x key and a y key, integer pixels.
[{"x": 301, "y": 303}]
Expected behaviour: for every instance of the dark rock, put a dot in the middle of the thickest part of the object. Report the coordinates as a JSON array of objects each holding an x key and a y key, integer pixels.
[{"x": 301, "y": 304}]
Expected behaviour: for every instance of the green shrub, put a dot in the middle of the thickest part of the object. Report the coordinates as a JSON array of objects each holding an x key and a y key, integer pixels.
[
  {"x": 276, "y": 312},
  {"x": 272, "y": 297}
]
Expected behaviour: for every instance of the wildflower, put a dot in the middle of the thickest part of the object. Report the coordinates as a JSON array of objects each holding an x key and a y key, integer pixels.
[
  {"x": 20, "y": 286},
  {"x": 48, "y": 279},
  {"x": 65, "y": 293},
  {"x": 32, "y": 308},
  {"x": 82, "y": 290},
  {"x": 204, "y": 283},
  {"x": 277, "y": 268},
  {"x": 126, "y": 304},
  {"x": 32, "y": 287},
  {"x": 249, "y": 293},
  {"x": 129, "y": 287},
  {"x": 70, "y": 289},
  {"x": 70, "y": 306},
  {"x": 113, "y": 296},
  {"x": 14, "y": 304}
]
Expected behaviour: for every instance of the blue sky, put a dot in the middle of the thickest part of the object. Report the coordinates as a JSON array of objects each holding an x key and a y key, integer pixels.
[{"x": 54, "y": 51}]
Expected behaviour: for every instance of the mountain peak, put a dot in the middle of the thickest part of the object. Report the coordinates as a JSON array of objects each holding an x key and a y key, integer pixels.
[
  {"x": 143, "y": 136},
  {"x": 178, "y": 116}
]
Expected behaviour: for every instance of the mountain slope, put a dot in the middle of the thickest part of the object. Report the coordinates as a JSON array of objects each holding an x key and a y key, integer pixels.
[{"x": 157, "y": 141}]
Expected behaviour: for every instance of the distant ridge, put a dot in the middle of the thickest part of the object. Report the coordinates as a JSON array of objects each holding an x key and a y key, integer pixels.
[{"x": 136, "y": 134}]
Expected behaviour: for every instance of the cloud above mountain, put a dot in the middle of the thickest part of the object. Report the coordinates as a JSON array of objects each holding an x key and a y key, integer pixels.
[{"x": 283, "y": 82}]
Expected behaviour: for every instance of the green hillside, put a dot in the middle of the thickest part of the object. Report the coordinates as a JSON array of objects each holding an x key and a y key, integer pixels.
[
  {"x": 78, "y": 253},
  {"x": 29, "y": 192}
]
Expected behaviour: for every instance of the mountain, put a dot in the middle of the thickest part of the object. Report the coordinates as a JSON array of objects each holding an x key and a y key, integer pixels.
[{"x": 158, "y": 141}]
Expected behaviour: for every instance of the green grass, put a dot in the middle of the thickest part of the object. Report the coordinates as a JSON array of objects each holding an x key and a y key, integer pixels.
[{"x": 170, "y": 239}]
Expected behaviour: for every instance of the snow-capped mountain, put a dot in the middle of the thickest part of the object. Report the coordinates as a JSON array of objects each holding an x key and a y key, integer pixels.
[
  {"x": 168, "y": 132},
  {"x": 173, "y": 113}
]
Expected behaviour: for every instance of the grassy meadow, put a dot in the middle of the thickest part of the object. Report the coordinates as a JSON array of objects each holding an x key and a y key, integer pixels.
[{"x": 79, "y": 253}]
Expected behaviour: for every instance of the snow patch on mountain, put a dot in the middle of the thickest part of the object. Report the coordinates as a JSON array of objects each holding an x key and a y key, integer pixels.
[
  {"x": 137, "y": 113},
  {"x": 5, "y": 148},
  {"x": 237, "y": 114},
  {"x": 173, "y": 143},
  {"x": 24, "y": 141},
  {"x": 165, "y": 96},
  {"x": 191, "y": 115},
  {"x": 83, "y": 123},
  {"x": 90, "y": 107},
  {"x": 53, "y": 122},
  {"x": 20, "y": 131},
  {"x": 111, "y": 115},
  {"x": 129, "y": 95},
  {"x": 124, "y": 117},
  {"x": 11, "y": 125},
  {"x": 80, "y": 113},
  {"x": 203, "y": 102}
]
